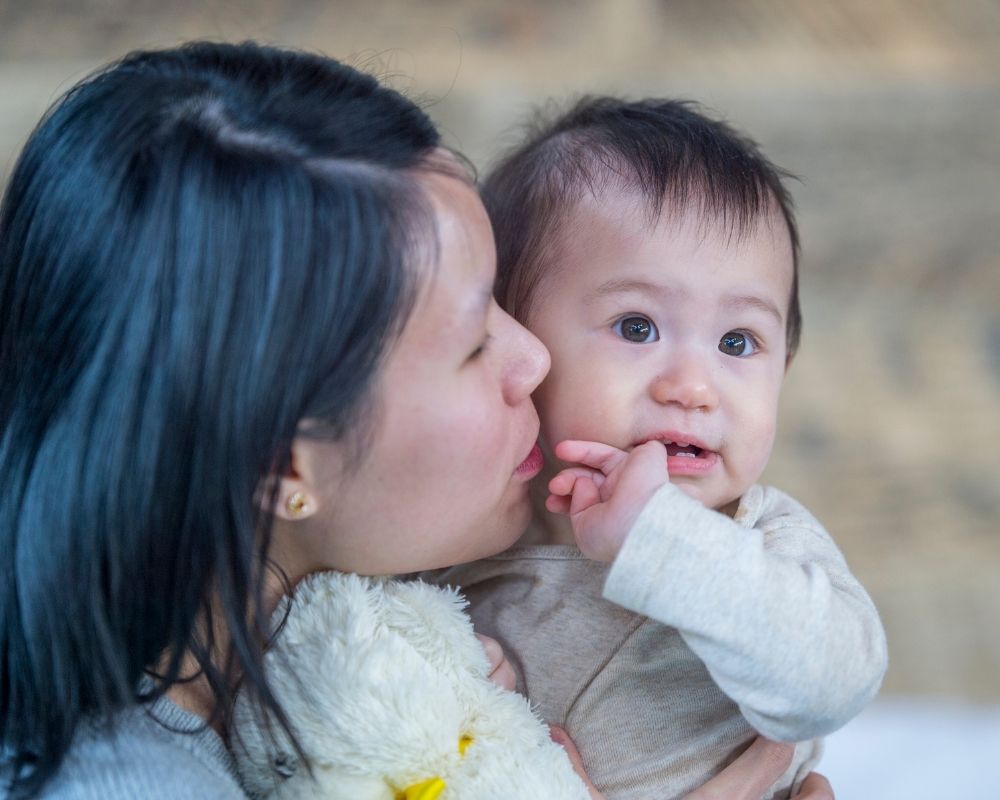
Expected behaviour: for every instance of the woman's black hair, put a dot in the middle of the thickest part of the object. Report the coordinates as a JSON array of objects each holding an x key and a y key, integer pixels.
[{"x": 199, "y": 249}]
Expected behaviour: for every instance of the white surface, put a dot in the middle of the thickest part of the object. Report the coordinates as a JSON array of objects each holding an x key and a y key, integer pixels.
[{"x": 909, "y": 749}]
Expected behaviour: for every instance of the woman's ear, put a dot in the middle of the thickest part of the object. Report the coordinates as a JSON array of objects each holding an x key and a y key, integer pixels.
[{"x": 298, "y": 495}]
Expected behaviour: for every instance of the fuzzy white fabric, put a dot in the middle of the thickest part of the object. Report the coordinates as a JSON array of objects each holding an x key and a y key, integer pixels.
[{"x": 380, "y": 679}]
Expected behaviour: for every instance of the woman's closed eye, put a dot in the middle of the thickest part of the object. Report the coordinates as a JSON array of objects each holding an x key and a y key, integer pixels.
[
  {"x": 637, "y": 329},
  {"x": 480, "y": 349},
  {"x": 738, "y": 343}
]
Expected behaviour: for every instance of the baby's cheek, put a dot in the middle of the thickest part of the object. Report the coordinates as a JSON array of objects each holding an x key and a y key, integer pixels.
[
  {"x": 563, "y": 411},
  {"x": 758, "y": 453},
  {"x": 585, "y": 398},
  {"x": 597, "y": 422}
]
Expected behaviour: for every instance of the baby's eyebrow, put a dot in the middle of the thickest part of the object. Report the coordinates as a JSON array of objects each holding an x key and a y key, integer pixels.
[
  {"x": 741, "y": 302},
  {"x": 734, "y": 302},
  {"x": 624, "y": 286}
]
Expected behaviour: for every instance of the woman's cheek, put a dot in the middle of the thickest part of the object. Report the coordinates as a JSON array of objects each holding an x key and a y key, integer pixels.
[{"x": 476, "y": 432}]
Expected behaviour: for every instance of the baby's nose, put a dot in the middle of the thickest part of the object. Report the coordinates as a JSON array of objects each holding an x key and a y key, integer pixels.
[{"x": 686, "y": 383}]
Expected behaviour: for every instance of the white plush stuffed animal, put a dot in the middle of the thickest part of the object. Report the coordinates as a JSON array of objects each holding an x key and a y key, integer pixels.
[{"x": 387, "y": 690}]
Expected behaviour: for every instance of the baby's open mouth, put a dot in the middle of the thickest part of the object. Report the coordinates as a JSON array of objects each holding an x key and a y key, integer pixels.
[{"x": 683, "y": 450}]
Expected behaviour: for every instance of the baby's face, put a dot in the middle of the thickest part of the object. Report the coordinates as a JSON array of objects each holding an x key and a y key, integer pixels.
[{"x": 674, "y": 333}]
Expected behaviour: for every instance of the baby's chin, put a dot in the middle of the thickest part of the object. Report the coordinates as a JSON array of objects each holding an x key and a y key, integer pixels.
[{"x": 725, "y": 505}]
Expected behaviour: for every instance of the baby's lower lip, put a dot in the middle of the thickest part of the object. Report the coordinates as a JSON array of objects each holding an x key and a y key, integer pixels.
[
  {"x": 531, "y": 465},
  {"x": 692, "y": 465}
]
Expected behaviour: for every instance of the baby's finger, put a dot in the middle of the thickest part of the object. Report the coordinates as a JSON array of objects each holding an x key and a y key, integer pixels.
[
  {"x": 650, "y": 456},
  {"x": 591, "y": 454},
  {"x": 563, "y": 482},
  {"x": 557, "y": 504},
  {"x": 501, "y": 671},
  {"x": 646, "y": 467},
  {"x": 493, "y": 650},
  {"x": 585, "y": 494},
  {"x": 504, "y": 677}
]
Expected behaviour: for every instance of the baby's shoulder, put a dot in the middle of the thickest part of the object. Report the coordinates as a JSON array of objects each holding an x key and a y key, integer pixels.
[{"x": 769, "y": 508}]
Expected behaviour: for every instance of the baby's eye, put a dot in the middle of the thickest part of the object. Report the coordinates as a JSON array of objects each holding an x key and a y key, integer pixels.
[
  {"x": 636, "y": 329},
  {"x": 735, "y": 343}
]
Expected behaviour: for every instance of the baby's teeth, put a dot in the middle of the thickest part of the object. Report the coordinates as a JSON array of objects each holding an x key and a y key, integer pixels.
[{"x": 686, "y": 455}]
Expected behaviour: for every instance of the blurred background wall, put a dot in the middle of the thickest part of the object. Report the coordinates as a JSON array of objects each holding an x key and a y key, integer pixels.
[{"x": 889, "y": 113}]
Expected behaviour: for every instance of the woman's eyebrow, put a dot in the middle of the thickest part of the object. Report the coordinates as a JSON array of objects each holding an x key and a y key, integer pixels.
[
  {"x": 477, "y": 306},
  {"x": 482, "y": 304}
]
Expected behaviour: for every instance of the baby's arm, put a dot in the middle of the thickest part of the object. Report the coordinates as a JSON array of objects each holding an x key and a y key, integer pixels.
[{"x": 783, "y": 627}]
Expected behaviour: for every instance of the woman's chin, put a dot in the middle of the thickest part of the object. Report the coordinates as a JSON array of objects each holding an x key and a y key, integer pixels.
[{"x": 510, "y": 526}]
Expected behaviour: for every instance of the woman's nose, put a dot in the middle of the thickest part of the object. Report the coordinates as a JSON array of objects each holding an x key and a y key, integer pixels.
[
  {"x": 527, "y": 364},
  {"x": 687, "y": 383}
]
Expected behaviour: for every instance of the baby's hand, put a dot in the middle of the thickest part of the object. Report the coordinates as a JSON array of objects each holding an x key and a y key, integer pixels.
[
  {"x": 604, "y": 495},
  {"x": 501, "y": 671}
]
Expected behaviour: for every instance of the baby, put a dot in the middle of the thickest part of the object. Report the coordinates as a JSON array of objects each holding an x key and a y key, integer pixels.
[{"x": 670, "y": 608}]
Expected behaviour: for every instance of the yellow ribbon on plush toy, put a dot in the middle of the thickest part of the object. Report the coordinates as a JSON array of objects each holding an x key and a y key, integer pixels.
[{"x": 431, "y": 788}]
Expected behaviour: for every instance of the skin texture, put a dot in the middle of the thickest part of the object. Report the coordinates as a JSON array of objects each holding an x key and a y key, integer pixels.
[
  {"x": 634, "y": 316},
  {"x": 438, "y": 482}
]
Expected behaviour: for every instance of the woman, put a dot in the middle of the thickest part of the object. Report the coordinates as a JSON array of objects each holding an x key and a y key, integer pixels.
[{"x": 246, "y": 333}]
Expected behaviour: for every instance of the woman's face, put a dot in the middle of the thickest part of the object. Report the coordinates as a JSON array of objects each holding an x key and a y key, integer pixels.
[{"x": 444, "y": 479}]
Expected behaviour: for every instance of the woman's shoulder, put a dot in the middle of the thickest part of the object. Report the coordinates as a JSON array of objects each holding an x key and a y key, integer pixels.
[{"x": 159, "y": 753}]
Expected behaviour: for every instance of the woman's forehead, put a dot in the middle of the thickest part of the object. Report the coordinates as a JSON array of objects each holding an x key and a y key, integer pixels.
[{"x": 456, "y": 279}]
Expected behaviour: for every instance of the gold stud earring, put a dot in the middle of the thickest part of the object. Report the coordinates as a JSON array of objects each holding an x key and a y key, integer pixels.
[{"x": 296, "y": 503}]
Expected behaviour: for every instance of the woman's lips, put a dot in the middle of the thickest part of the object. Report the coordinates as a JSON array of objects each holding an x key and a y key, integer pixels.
[{"x": 531, "y": 465}]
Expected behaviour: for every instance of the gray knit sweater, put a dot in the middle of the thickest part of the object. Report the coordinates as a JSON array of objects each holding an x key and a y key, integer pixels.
[{"x": 160, "y": 752}]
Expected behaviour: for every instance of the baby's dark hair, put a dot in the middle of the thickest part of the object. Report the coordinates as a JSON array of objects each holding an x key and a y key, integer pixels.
[{"x": 663, "y": 149}]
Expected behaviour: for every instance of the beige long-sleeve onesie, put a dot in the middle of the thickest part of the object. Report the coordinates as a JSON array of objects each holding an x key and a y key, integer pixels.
[{"x": 704, "y": 631}]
